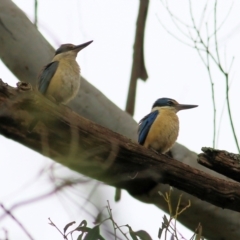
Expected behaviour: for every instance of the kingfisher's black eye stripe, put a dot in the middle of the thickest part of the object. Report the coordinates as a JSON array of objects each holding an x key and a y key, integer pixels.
[
  {"x": 64, "y": 48},
  {"x": 159, "y": 129}
]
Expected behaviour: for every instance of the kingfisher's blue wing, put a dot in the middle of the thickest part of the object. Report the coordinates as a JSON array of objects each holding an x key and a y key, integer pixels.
[
  {"x": 145, "y": 125},
  {"x": 46, "y": 76}
]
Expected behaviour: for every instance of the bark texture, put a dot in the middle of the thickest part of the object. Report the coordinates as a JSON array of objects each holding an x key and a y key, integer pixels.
[
  {"x": 138, "y": 67},
  {"x": 222, "y": 162},
  {"x": 99, "y": 153},
  {"x": 18, "y": 35}
]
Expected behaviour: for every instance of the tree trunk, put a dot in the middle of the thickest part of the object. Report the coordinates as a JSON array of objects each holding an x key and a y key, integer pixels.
[{"x": 24, "y": 51}]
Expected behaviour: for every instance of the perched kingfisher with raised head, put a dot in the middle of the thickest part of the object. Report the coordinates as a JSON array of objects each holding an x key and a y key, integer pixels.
[
  {"x": 159, "y": 129},
  {"x": 60, "y": 79}
]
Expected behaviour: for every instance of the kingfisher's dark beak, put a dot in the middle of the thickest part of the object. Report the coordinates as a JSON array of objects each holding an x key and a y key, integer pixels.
[
  {"x": 184, "y": 106},
  {"x": 78, "y": 48}
]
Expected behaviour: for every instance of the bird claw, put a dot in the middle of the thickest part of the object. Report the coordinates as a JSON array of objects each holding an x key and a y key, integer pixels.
[{"x": 154, "y": 150}]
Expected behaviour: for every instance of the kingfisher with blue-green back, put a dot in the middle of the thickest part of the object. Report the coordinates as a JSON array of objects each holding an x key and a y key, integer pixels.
[
  {"x": 60, "y": 79},
  {"x": 159, "y": 129}
]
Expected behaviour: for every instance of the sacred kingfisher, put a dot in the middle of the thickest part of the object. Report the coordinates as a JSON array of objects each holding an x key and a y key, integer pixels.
[
  {"x": 159, "y": 129},
  {"x": 60, "y": 79}
]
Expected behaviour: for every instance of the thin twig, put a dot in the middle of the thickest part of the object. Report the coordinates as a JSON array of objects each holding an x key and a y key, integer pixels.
[
  {"x": 111, "y": 218},
  {"x": 205, "y": 48},
  {"x": 115, "y": 226},
  {"x": 173, "y": 229},
  {"x": 177, "y": 21},
  {"x": 218, "y": 63},
  {"x": 207, "y": 65},
  {"x": 221, "y": 115},
  {"x": 54, "y": 225},
  {"x": 213, "y": 93},
  {"x": 226, "y": 74},
  {"x": 174, "y": 16},
  {"x": 222, "y": 23},
  {"x": 34, "y": 199},
  {"x": 36, "y": 13},
  {"x": 87, "y": 200},
  {"x": 8, "y": 212},
  {"x": 215, "y": 34},
  {"x": 171, "y": 34},
  {"x": 229, "y": 111},
  {"x": 138, "y": 67},
  {"x": 203, "y": 15}
]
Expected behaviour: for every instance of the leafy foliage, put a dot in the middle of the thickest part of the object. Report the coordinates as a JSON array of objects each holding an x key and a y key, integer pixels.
[
  {"x": 93, "y": 233},
  {"x": 168, "y": 226}
]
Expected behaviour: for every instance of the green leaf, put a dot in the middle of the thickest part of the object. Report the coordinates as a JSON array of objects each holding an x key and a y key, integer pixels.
[
  {"x": 132, "y": 233},
  {"x": 67, "y": 226},
  {"x": 165, "y": 221},
  {"x": 199, "y": 232},
  {"x": 143, "y": 235},
  {"x": 82, "y": 229},
  {"x": 98, "y": 218},
  {"x": 94, "y": 234},
  {"x": 80, "y": 236},
  {"x": 164, "y": 225},
  {"x": 83, "y": 223}
]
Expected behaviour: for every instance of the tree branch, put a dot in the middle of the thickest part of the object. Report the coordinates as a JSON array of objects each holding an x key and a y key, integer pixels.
[
  {"x": 99, "y": 153},
  {"x": 222, "y": 162},
  {"x": 16, "y": 33},
  {"x": 138, "y": 66},
  {"x": 92, "y": 104}
]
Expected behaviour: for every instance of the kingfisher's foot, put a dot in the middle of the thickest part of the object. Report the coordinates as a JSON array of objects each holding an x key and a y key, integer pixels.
[
  {"x": 66, "y": 106},
  {"x": 51, "y": 98},
  {"x": 154, "y": 150},
  {"x": 169, "y": 153}
]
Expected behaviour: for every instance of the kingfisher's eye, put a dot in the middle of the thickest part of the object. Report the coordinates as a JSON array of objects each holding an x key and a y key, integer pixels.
[{"x": 170, "y": 103}]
